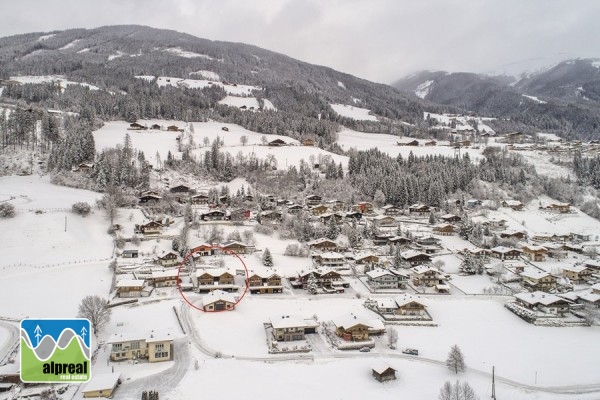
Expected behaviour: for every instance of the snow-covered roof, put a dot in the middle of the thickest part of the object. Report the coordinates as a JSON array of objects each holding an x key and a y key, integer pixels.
[
  {"x": 286, "y": 321},
  {"x": 320, "y": 240},
  {"x": 411, "y": 253},
  {"x": 538, "y": 298},
  {"x": 534, "y": 248},
  {"x": 592, "y": 263},
  {"x": 171, "y": 273},
  {"x": 534, "y": 274},
  {"x": 575, "y": 268},
  {"x": 590, "y": 297},
  {"x": 596, "y": 287},
  {"x": 406, "y": 298},
  {"x": 448, "y": 216},
  {"x": 349, "y": 320},
  {"x": 380, "y": 366},
  {"x": 126, "y": 337},
  {"x": 102, "y": 382},
  {"x": 388, "y": 206},
  {"x": 502, "y": 249},
  {"x": 382, "y": 217},
  {"x": 212, "y": 271},
  {"x": 421, "y": 269},
  {"x": 387, "y": 302},
  {"x": 130, "y": 283},
  {"x": 217, "y": 295},
  {"x": 513, "y": 203},
  {"x": 379, "y": 272},
  {"x": 331, "y": 255},
  {"x": 361, "y": 256},
  {"x": 159, "y": 337}
]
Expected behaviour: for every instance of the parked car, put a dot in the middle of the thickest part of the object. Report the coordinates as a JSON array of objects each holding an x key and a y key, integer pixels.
[
  {"x": 412, "y": 352},
  {"x": 365, "y": 349}
]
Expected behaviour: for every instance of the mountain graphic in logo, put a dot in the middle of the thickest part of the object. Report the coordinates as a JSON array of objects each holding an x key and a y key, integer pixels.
[{"x": 55, "y": 350}]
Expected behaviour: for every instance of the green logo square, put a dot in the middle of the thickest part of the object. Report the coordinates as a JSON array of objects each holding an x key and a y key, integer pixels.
[{"x": 55, "y": 350}]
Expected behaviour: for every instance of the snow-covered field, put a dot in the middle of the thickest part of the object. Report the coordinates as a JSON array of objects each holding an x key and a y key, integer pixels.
[
  {"x": 353, "y": 112},
  {"x": 187, "y": 54},
  {"x": 61, "y": 80},
  {"x": 233, "y": 89},
  {"x": 461, "y": 121},
  {"x": 237, "y": 101},
  {"x": 423, "y": 89},
  {"x": 85, "y": 237},
  {"x": 207, "y": 75}
]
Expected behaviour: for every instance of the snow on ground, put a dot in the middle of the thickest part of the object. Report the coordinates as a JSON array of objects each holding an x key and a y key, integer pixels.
[
  {"x": 348, "y": 138},
  {"x": 543, "y": 166},
  {"x": 84, "y": 50},
  {"x": 472, "y": 284},
  {"x": 117, "y": 55},
  {"x": 423, "y": 89},
  {"x": 341, "y": 84},
  {"x": 356, "y": 113},
  {"x": 213, "y": 76},
  {"x": 50, "y": 79},
  {"x": 233, "y": 89},
  {"x": 236, "y": 101},
  {"x": 70, "y": 45},
  {"x": 84, "y": 239},
  {"x": 45, "y": 37},
  {"x": 535, "y": 99},
  {"x": 188, "y": 54},
  {"x": 461, "y": 121},
  {"x": 4, "y": 336},
  {"x": 549, "y": 136}
]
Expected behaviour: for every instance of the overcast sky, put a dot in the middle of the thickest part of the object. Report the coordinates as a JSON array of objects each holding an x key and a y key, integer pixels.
[{"x": 380, "y": 40}]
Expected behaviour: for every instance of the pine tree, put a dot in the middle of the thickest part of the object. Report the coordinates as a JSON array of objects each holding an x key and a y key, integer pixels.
[
  {"x": 267, "y": 259},
  {"x": 398, "y": 261},
  {"x": 312, "y": 284},
  {"x": 333, "y": 229},
  {"x": 456, "y": 361}
]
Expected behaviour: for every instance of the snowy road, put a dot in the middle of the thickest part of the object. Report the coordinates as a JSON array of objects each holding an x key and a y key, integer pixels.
[
  {"x": 11, "y": 342},
  {"x": 322, "y": 354},
  {"x": 163, "y": 382}
]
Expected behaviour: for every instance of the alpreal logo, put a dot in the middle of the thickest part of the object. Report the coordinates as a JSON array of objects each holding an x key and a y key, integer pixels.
[{"x": 55, "y": 350}]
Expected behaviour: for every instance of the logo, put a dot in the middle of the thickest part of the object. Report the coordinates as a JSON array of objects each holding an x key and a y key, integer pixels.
[{"x": 55, "y": 350}]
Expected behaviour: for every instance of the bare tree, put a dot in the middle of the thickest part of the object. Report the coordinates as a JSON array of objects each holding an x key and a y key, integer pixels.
[
  {"x": 392, "y": 337},
  {"x": 95, "y": 308},
  {"x": 456, "y": 361},
  {"x": 244, "y": 140},
  {"x": 591, "y": 252},
  {"x": 458, "y": 391}
]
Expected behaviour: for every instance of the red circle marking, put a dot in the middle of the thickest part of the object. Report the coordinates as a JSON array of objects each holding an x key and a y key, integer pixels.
[{"x": 222, "y": 249}]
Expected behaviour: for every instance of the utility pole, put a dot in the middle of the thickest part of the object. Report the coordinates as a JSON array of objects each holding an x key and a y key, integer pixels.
[{"x": 493, "y": 383}]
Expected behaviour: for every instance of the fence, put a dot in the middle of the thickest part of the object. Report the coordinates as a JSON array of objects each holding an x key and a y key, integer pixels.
[{"x": 55, "y": 264}]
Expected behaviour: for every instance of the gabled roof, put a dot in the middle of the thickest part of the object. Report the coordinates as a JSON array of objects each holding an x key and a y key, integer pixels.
[
  {"x": 215, "y": 272},
  {"x": 406, "y": 298},
  {"x": 171, "y": 273},
  {"x": 539, "y": 298},
  {"x": 502, "y": 249},
  {"x": 534, "y": 274},
  {"x": 286, "y": 321},
  {"x": 411, "y": 254},
  {"x": 217, "y": 295},
  {"x": 379, "y": 272},
  {"x": 421, "y": 269},
  {"x": 381, "y": 366},
  {"x": 130, "y": 283},
  {"x": 102, "y": 382},
  {"x": 348, "y": 321},
  {"x": 321, "y": 240}
]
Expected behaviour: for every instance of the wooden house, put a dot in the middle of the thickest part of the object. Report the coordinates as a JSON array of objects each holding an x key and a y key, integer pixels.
[
  {"x": 214, "y": 215},
  {"x": 313, "y": 200},
  {"x": 353, "y": 216},
  {"x": 505, "y": 253},
  {"x": 165, "y": 278},
  {"x": 330, "y": 259},
  {"x": 385, "y": 220},
  {"x": 535, "y": 279},
  {"x": 294, "y": 209},
  {"x": 323, "y": 244},
  {"x": 516, "y": 205},
  {"x": 381, "y": 239},
  {"x": 174, "y": 128},
  {"x": 102, "y": 385},
  {"x": 409, "y": 305},
  {"x": 276, "y": 143},
  {"x": 200, "y": 198},
  {"x": 450, "y": 218},
  {"x": 137, "y": 127},
  {"x": 544, "y": 302},
  {"x": 430, "y": 143},
  {"x": 308, "y": 142},
  {"x": 379, "y": 278},
  {"x": 419, "y": 209},
  {"x": 391, "y": 210},
  {"x": 271, "y": 216},
  {"x": 215, "y": 279},
  {"x": 414, "y": 257},
  {"x": 149, "y": 198},
  {"x": 535, "y": 253},
  {"x": 512, "y": 234},
  {"x": 411, "y": 143},
  {"x": 324, "y": 277},
  {"x": 383, "y": 372},
  {"x": 130, "y": 253},
  {"x": 336, "y": 205},
  {"x": 156, "y": 127},
  {"x": 444, "y": 229},
  {"x": 324, "y": 218},
  {"x": 218, "y": 300},
  {"x": 130, "y": 287},
  {"x": 167, "y": 259},
  {"x": 424, "y": 275},
  {"x": 555, "y": 250},
  {"x": 202, "y": 250},
  {"x": 264, "y": 282},
  {"x": 150, "y": 228},
  {"x": 365, "y": 258},
  {"x": 473, "y": 203},
  {"x": 363, "y": 207},
  {"x": 578, "y": 274},
  {"x": 318, "y": 209},
  {"x": 351, "y": 328},
  {"x": 236, "y": 247},
  {"x": 560, "y": 208},
  {"x": 288, "y": 329},
  {"x": 180, "y": 189}
]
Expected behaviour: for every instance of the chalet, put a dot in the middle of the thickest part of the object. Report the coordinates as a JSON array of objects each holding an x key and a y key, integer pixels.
[
  {"x": 249, "y": 198},
  {"x": 214, "y": 215},
  {"x": 215, "y": 278},
  {"x": 594, "y": 265},
  {"x": 351, "y": 328},
  {"x": 137, "y": 127},
  {"x": 575, "y": 248},
  {"x": 363, "y": 207},
  {"x": 277, "y": 143},
  {"x": 330, "y": 259},
  {"x": 538, "y": 280},
  {"x": 336, "y": 205},
  {"x": 560, "y": 208},
  {"x": 180, "y": 189},
  {"x": 308, "y": 142},
  {"x": 324, "y": 278},
  {"x": 365, "y": 258},
  {"x": 577, "y": 274},
  {"x": 473, "y": 203},
  {"x": 174, "y": 128},
  {"x": 431, "y": 143},
  {"x": 203, "y": 249},
  {"x": 399, "y": 241},
  {"x": 419, "y": 209},
  {"x": 427, "y": 241},
  {"x": 496, "y": 222},
  {"x": 153, "y": 347},
  {"x": 281, "y": 202},
  {"x": 324, "y": 218},
  {"x": 218, "y": 300},
  {"x": 323, "y": 244},
  {"x": 271, "y": 216},
  {"x": 590, "y": 300},
  {"x": 165, "y": 278},
  {"x": 381, "y": 239},
  {"x": 512, "y": 234},
  {"x": 450, "y": 218},
  {"x": 514, "y": 204},
  {"x": 479, "y": 253},
  {"x": 444, "y": 229},
  {"x": 150, "y": 198},
  {"x": 130, "y": 253},
  {"x": 385, "y": 220},
  {"x": 584, "y": 237},
  {"x": 555, "y": 250},
  {"x": 200, "y": 198},
  {"x": 379, "y": 278},
  {"x": 409, "y": 305},
  {"x": 83, "y": 167},
  {"x": 596, "y": 288},
  {"x": 288, "y": 329},
  {"x": 535, "y": 253},
  {"x": 544, "y": 302},
  {"x": 318, "y": 209},
  {"x": 411, "y": 143},
  {"x": 391, "y": 210},
  {"x": 167, "y": 259},
  {"x": 156, "y": 127},
  {"x": 237, "y": 247},
  {"x": 102, "y": 385},
  {"x": 313, "y": 200},
  {"x": 383, "y": 372},
  {"x": 294, "y": 209},
  {"x": 150, "y": 228},
  {"x": 264, "y": 282},
  {"x": 353, "y": 215},
  {"x": 426, "y": 276},
  {"x": 415, "y": 257},
  {"x": 505, "y": 253},
  {"x": 130, "y": 287}
]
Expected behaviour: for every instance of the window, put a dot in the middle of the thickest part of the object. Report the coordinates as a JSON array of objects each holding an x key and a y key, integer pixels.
[
  {"x": 117, "y": 346},
  {"x": 161, "y": 354},
  {"x": 159, "y": 347},
  {"x": 135, "y": 345}
]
